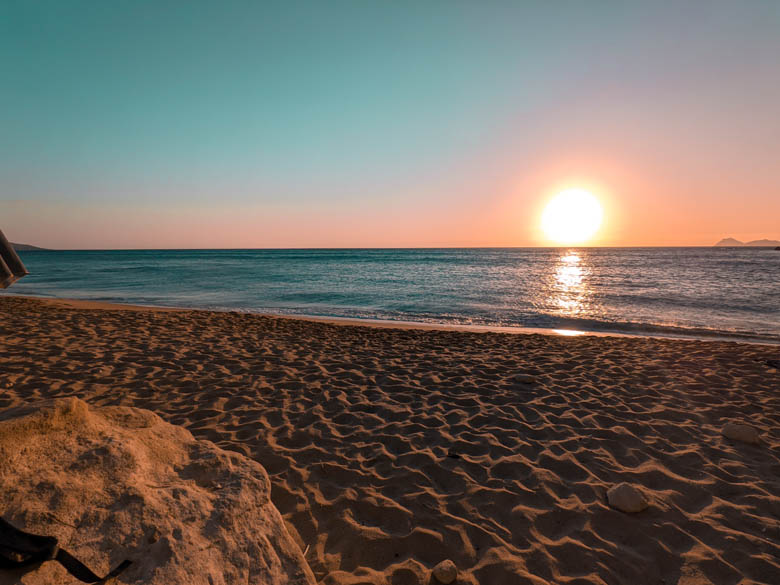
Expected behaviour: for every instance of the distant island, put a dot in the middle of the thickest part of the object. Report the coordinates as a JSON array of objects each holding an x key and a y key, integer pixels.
[
  {"x": 25, "y": 247},
  {"x": 755, "y": 243}
]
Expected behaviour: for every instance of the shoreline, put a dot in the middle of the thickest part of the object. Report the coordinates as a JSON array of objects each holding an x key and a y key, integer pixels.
[{"x": 403, "y": 324}]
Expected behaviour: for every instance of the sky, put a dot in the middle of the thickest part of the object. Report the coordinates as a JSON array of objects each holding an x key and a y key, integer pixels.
[{"x": 385, "y": 124}]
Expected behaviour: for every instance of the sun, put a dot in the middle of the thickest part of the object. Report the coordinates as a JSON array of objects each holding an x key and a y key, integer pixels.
[{"x": 572, "y": 217}]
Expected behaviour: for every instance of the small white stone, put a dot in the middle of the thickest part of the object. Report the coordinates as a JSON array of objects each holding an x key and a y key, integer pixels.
[
  {"x": 739, "y": 432},
  {"x": 525, "y": 378},
  {"x": 445, "y": 572},
  {"x": 626, "y": 498}
]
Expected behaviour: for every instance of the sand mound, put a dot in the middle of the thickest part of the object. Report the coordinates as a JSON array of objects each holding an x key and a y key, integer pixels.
[{"x": 119, "y": 483}]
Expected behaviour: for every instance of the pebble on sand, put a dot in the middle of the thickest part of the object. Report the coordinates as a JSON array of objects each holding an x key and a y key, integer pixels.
[
  {"x": 740, "y": 432},
  {"x": 525, "y": 378},
  {"x": 445, "y": 572},
  {"x": 626, "y": 498}
]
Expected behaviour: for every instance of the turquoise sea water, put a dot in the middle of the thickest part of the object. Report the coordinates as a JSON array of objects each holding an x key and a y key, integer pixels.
[{"x": 733, "y": 292}]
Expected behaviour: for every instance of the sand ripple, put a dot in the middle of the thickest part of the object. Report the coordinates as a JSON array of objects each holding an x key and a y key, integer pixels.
[{"x": 391, "y": 450}]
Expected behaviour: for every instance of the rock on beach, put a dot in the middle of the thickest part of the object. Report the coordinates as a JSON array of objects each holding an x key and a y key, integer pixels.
[
  {"x": 741, "y": 432},
  {"x": 627, "y": 498},
  {"x": 525, "y": 378},
  {"x": 445, "y": 572},
  {"x": 117, "y": 483}
]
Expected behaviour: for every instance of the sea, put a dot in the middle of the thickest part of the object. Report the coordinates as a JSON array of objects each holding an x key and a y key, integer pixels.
[{"x": 724, "y": 293}]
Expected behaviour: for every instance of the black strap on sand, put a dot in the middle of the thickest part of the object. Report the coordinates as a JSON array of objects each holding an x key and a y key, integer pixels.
[{"x": 19, "y": 549}]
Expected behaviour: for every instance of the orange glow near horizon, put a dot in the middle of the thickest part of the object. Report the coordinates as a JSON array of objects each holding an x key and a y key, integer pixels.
[{"x": 507, "y": 213}]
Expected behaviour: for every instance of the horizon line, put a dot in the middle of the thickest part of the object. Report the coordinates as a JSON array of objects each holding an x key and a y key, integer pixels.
[{"x": 41, "y": 249}]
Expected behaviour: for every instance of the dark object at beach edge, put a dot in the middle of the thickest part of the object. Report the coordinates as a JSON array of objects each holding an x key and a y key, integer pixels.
[{"x": 23, "y": 550}]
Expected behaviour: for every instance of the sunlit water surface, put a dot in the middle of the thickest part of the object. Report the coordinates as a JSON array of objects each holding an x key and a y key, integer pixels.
[{"x": 690, "y": 291}]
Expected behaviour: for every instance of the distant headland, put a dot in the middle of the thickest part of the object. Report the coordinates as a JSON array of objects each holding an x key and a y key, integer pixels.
[
  {"x": 25, "y": 247},
  {"x": 755, "y": 243}
]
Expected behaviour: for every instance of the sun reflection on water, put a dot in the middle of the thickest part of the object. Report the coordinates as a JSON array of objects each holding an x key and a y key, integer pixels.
[
  {"x": 570, "y": 291},
  {"x": 568, "y": 332}
]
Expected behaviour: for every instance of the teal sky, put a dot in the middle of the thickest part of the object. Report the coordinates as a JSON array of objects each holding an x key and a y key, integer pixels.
[{"x": 249, "y": 124}]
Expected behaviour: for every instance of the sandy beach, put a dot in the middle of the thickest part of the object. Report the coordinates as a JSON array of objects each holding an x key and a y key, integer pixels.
[{"x": 392, "y": 449}]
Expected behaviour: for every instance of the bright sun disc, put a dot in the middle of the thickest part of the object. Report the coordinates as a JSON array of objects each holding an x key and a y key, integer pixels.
[{"x": 572, "y": 217}]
